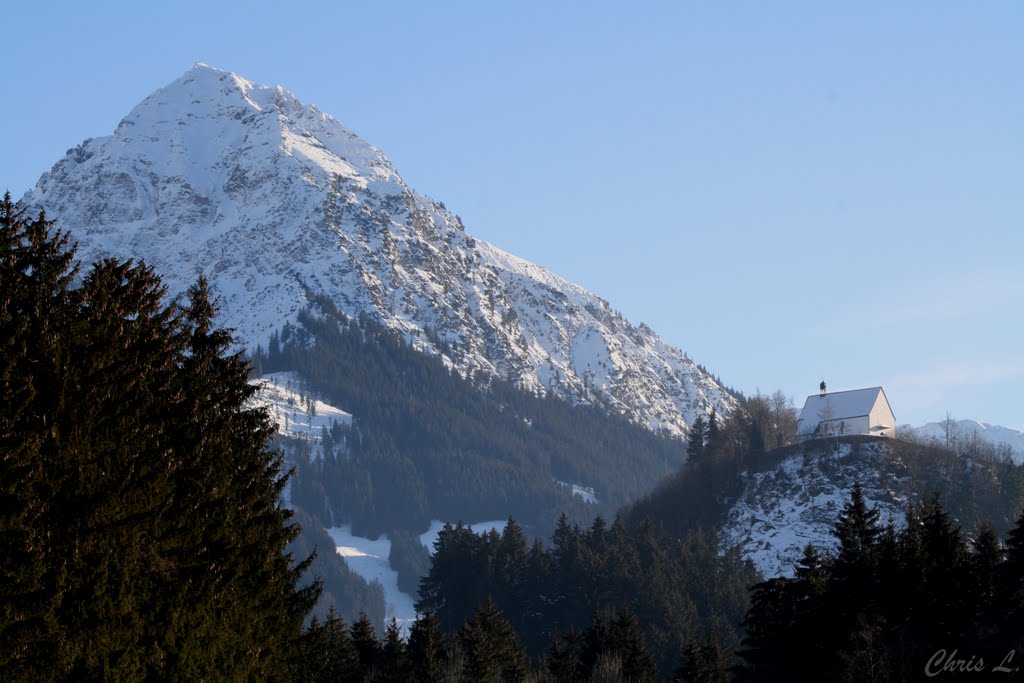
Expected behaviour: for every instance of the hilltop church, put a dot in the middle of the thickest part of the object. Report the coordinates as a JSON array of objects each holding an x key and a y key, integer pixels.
[{"x": 858, "y": 411}]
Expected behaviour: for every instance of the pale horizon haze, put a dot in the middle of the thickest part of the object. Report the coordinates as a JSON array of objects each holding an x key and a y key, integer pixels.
[{"x": 790, "y": 192}]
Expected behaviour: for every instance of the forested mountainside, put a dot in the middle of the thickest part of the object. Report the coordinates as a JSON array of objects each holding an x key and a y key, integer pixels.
[
  {"x": 425, "y": 443},
  {"x": 275, "y": 201}
]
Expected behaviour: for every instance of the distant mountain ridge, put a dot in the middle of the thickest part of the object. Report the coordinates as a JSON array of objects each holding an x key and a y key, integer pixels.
[
  {"x": 962, "y": 430},
  {"x": 277, "y": 202}
]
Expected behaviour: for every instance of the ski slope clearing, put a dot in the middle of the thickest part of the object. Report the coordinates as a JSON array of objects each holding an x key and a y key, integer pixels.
[{"x": 369, "y": 559}]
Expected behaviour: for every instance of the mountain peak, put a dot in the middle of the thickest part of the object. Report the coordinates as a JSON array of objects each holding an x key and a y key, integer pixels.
[{"x": 277, "y": 202}]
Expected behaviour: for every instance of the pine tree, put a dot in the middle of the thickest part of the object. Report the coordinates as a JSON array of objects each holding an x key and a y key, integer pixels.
[
  {"x": 628, "y": 639},
  {"x": 426, "y": 648},
  {"x": 491, "y": 647},
  {"x": 364, "y": 640},
  {"x": 696, "y": 440},
  {"x": 140, "y": 521},
  {"x": 564, "y": 658},
  {"x": 395, "y": 664}
]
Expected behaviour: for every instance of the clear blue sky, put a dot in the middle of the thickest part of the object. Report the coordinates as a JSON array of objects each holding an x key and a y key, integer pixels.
[{"x": 787, "y": 190}]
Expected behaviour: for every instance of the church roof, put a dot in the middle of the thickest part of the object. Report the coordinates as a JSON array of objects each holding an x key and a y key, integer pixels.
[{"x": 840, "y": 405}]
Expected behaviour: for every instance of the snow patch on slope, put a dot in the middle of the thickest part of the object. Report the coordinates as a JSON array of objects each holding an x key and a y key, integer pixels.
[
  {"x": 296, "y": 414},
  {"x": 584, "y": 492}
]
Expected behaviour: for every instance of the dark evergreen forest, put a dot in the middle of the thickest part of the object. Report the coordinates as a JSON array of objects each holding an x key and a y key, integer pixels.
[{"x": 141, "y": 531}]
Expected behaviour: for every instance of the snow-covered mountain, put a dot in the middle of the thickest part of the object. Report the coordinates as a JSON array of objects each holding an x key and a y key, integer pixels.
[
  {"x": 962, "y": 431},
  {"x": 277, "y": 202}
]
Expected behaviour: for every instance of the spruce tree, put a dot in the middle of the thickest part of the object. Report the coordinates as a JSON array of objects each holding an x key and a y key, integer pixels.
[
  {"x": 986, "y": 555},
  {"x": 564, "y": 657},
  {"x": 140, "y": 516},
  {"x": 491, "y": 647},
  {"x": 627, "y": 638},
  {"x": 857, "y": 532},
  {"x": 328, "y": 655},
  {"x": 33, "y": 310},
  {"x": 696, "y": 440},
  {"x": 395, "y": 664},
  {"x": 364, "y": 640},
  {"x": 705, "y": 664},
  {"x": 426, "y": 648}
]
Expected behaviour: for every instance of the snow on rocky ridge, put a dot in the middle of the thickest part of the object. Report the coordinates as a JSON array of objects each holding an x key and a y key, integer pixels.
[{"x": 276, "y": 202}]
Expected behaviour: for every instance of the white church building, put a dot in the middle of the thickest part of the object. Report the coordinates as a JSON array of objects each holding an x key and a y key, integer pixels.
[{"x": 858, "y": 411}]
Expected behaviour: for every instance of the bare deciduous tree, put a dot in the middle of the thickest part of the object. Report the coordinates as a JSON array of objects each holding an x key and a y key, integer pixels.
[{"x": 951, "y": 432}]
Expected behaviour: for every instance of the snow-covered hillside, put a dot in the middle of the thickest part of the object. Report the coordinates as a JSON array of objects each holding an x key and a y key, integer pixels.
[
  {"x": 277, "y": 202},
  {"x": 964, "y": 430},
  {"x": 296, "y": 414},
  {"x": 798, "y": 501}
]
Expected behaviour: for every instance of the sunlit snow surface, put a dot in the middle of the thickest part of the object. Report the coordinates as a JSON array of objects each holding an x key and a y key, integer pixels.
[{"x": 797, "y": 502}]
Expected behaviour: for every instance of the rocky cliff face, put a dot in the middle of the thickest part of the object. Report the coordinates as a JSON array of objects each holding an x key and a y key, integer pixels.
[{"x": 277, "y": 202}]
